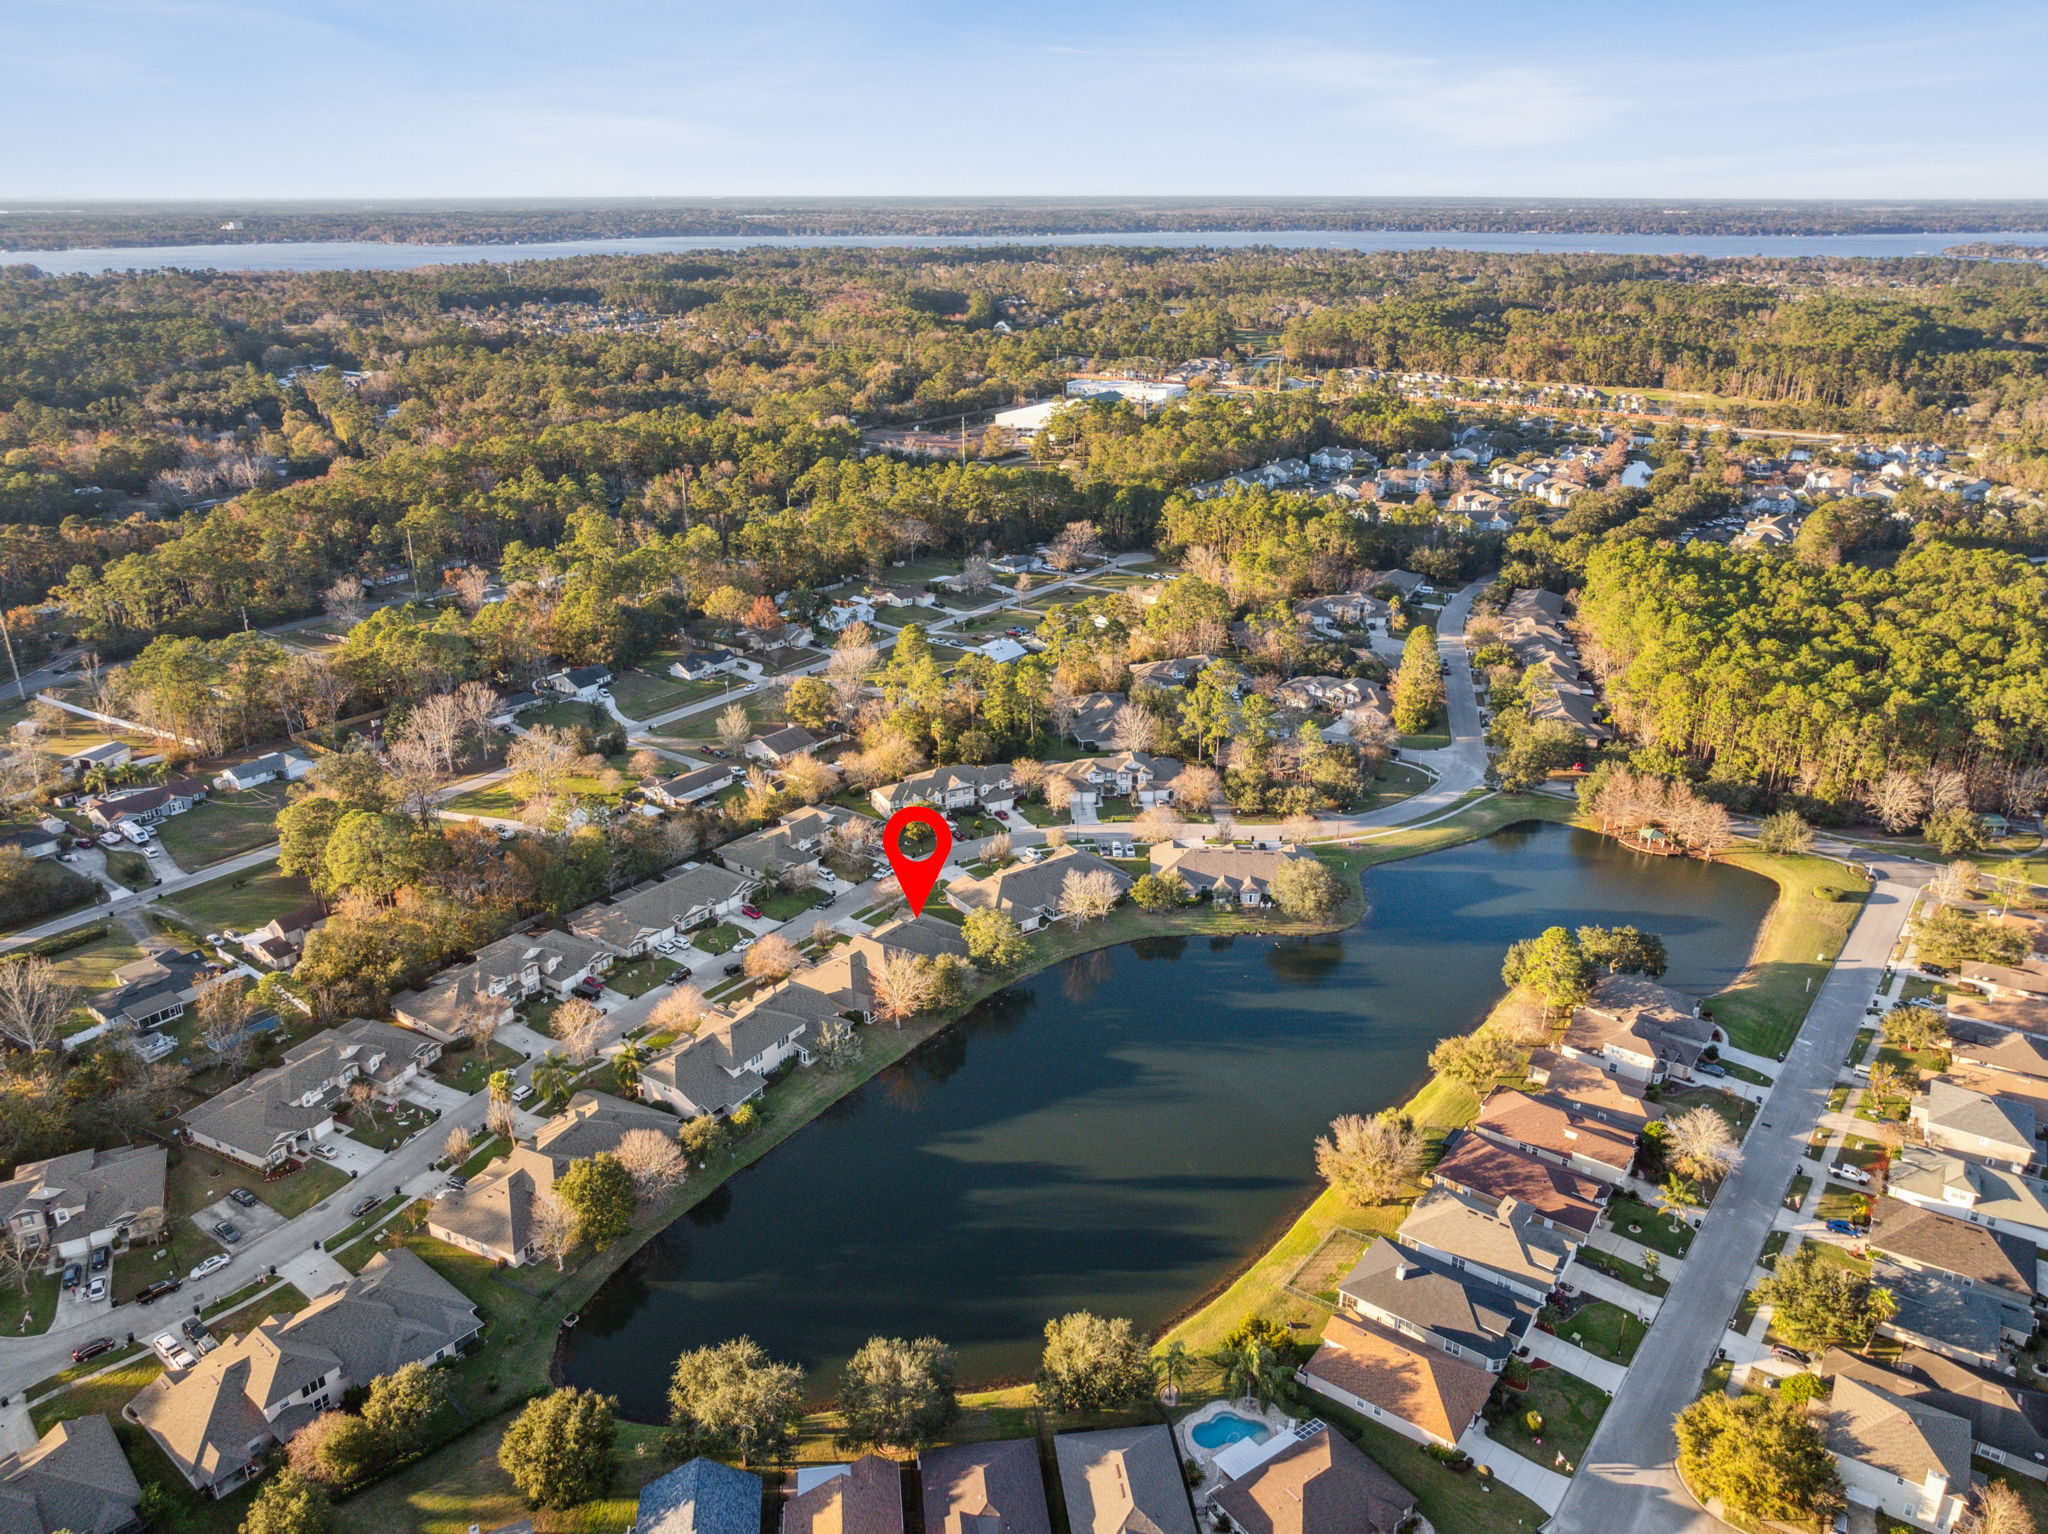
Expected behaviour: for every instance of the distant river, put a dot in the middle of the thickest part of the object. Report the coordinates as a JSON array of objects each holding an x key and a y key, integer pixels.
[
  {"x": 1123, "y": 1132},
  {"x": 344, "y": 255}
]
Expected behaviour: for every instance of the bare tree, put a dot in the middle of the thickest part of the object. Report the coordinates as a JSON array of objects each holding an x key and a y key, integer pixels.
[
  {"x": 436, "y": 723},
  {"x": 1898, "y": 800},
  {"x": 1196, "y": 786},
  {"x": 902, "y": 987},
  {"x": 997, "y": 848},
  {"x": 1078, "y": 544},
  {"x": 362, "y": 1097},
  {"x": 498, "y": 1119},
  {"x": 554, "y": 1229},
  {"x": 682, "y": 1011},
  {"x": 1947, "y": 789},
  {"x": 1956, "y": 881},
  {"x": 1029, "y": 776},
  {"x": 1367, "y": 1160},
  {"x": 223, "y": 1009},
  {"x": 577, "y": 1024},
  {"x": 975, "y": 574},
  {"x": 542, "y": 760},
  {"x": 734, "y": 727},
  {"x": 415, "y": 768},
  {"x": 346, "y": 599},
  {"x": 1158, "y": 823},
  {"x": 469, "y": 585},
  {"x": 475, "y": 703},
  {"x": 35, "y": 1002},
  {"x": 1134, "y": 729},
  {"x": 1299, "y": 828},
  {"x": 653, "y": 1159},
  {"x": 773, "y": 957},
  {"x": 809, "y": 779},
  {"x": 1999, "y": 1510},
  {"x": 1701, "y": 1144},
  {"x": 1059, "y": 792},
  {"x": 458, "y": 1145},
  {"x": 1088, "y": 894},
  {"x": 850, "y": 847}
]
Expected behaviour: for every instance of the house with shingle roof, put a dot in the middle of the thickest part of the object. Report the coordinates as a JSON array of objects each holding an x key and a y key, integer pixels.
[
  {"x": 1915, "y": 1237},
  {"x": 689, "y": 787},
  {"x": 152, "y": 990},
  {"x": 1898, "y": 1453},
  {"x": 1482, "y": 1170},
  {"x": 75, "y": 1479},
  {"x": 288, "y": 765},
  {"x": 700, "y": 1497},
  {"x": 1177, "y": 672},
  {"x": 1241, "y": 876},
  {"x": 957, "y": 787},
  {"x": 1560, "y": 1134},
  {"x": 778, "y": 746},
  {"x": 1094, "y": 724},
  {"x": 1424, "y": 1297},
  {"x": 1985, "y": 1195},
  {"x": 282, "y": 1113},
  {"x": 1418, "y": 1390},
  {"x": 144, "y": 806},
  {"x": 2018, "y": 1054},
  {"x": 1582, "y": 1086},
  {"x": 2008, "y": 1423},
  {"x": 1502, "y": 1241},
  {"x": 1640, "y": 1029},
  {"x": 2025, "y": 981},
  {"x": 1952, "y": 1316},
  {"x": 793, "y": 845},
  {"x": 70, "y": 1204},
  {"x": 218, "y": 1421},
  {"x": 1123, "y": 1480},
  {"x": 865, "y": 1497},
  {"x": 984, "y": 1488},
  {"x": 1318, "y": 1483},
  {"x": 727, "y": 1061},
  {"x": 1997, "y": 1130},
  {"x": 637, "y": 919},
  {"x": 1029, "y": 893}
]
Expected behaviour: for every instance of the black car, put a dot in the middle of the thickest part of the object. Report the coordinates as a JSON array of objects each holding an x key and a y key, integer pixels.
[
  {"x": 101, "y": 1256},
  {"x": 158, "y": 1290},
  {"x": 195, "y": 1330},
  {"x": 72, "y": 1274},
  {"x": 227, "y": 1232},
  {"x": 243, "y": 1197},
  {"x": 91, "y": 1349},
  {"x": 735, "y": 969},
  {"x": 363, "y": 1206}
]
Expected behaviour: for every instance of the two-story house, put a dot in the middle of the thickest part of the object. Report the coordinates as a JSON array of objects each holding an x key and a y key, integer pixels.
[
  {"x": 282, "y": 1113},
  {"x": 69, "y": 1205}
]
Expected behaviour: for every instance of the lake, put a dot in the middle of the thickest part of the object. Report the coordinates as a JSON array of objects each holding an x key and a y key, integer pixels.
[
  {"x": 1125, "y": 1131},
  {"x": 346, "y": 255}
]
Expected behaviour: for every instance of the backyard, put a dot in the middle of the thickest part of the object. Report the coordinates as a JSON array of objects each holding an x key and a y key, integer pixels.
[{"x": 245, "y": 901}]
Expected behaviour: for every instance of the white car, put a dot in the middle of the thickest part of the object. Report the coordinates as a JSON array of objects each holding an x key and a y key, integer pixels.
[
  {"x": 212, "y": 1264},
  {"x": 1849, "y": 1173},
  {"x": 173, "y": 1352}
]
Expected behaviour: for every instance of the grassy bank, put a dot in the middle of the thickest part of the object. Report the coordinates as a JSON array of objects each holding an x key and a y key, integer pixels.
[{"x": 1797, "y": 946}]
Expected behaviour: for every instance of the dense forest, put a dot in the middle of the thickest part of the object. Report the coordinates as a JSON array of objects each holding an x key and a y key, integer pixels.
[{"x": 517, "y": 222}]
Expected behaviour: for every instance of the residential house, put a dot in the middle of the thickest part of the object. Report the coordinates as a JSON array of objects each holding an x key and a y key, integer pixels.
[
  {"x": 1897, "y": 1453},
  {"x": 144, "y": 806},
  {"x": 511, "y": 705},
  {"x": 1328, "y": 694},
  {"x": 780, "y": 636},
  {"x": 1486, "y": 508},
  {"x": 883, "y": 594},
  {"x": 282, "y": 1113},
  {"x": 1997, "y": 1130},
  {"x": 638, "y": 919},
  {"x": 1969, "y": 1190},
  {"x": 865, "y": 1497},
  {"x": 582, "y": 683},
  {"x": 1411, "y": 1386},
  {"x": 1425, "y": 1298},
  {"x": 1497, "y": 1175},
  {"x": 480, "y": 997},
  {"x": 1332, "y": 460},
  {"x": 2022, "y": 1013},
  {"x": 726, "y": 1062},
  {"x": 1314, "y": 1482},
  {"x": 1029, "y": 893},
  {"x": 701, "y": 1497},
  {"x": 778, "y": 746},
  {"x": 950, "y": 788},
  {"x": 1162, "y": 674},
  {"x": 1002, "y": 649},
  {"x": 278, "y": 943},
  {"x": 73, "y": 1480},
  {"x": 689, "y": 787},
  {"x": 1332, "y": 616},
  {"x": 494, "y": 1216},
  {"x": 1910, "y": 1236},
  {"x": 1952, "y": 1316},
  {"x": 1503, "y": 1241},
  {"x": 2025, "y": 981},
  {"x": 108, "y": 754},
  {"x": 153, "y": 990},
  {"x": 1138, "y": 776},
  {"x": 1585, "y": 1087},
  {"x": 699, "y": 663},
  {"x": 1123, "y": 1480},
  {"x": 1017, "y": 564},
  {"x": 2008, "y": 1422},
  {"x": 287, "y": 765},
  {"x": 33, "y": 841},
  {"x": 1231, "y": 875},
  {"x": 1640, "y": 1030},
  {"x": 218, "y": 1421},
  {"x": 1560, "y": 1134},
  {"x": 984, "y": 1488},
  {"x": 1094, "y": 723},
  {"x": 2031, "y": 925},
  {"x": 844, "y": 612},
  {"x": 847, "y": 975},
  {"x": 1775, "y": 526},
  {"x": 68, "y": 1205},
  {"x": 2026, "y": 1092},
  {"x": 2015, "y": 1054},
  {"x": 794, "y": 847},
  {"x": 1571, "y": 709}
]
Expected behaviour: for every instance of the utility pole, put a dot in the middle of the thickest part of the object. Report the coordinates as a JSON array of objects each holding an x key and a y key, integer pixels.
[
  {"x": 7, "y": 637},
  {"x": 414, "y": 560}
]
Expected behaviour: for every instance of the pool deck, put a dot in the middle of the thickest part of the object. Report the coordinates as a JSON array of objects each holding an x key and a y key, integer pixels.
[{"x": 1274, "y": 1420}]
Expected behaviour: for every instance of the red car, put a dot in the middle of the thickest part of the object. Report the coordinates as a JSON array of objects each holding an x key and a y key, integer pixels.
[{"x": 750, "y": 913}]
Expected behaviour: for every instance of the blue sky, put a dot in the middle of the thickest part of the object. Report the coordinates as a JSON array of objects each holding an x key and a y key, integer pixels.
[{"x": 314, "y": 98}]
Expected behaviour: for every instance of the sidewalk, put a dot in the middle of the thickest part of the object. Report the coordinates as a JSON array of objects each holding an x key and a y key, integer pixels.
[
  {"x": 1545, "y": 1488},
  {"x": 1590, "y": 1367}
]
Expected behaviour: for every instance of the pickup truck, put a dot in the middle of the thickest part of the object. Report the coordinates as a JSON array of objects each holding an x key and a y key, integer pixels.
[{"x": 1849, "y": 1173}]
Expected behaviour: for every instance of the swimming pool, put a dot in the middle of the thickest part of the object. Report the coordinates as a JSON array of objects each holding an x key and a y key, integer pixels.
[{"x": 1226, "y": 1427}]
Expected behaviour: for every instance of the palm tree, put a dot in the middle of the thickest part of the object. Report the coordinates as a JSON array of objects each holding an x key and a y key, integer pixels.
[
  {"x": 500, "y": 1086},
  {"x": 1675, "y": 1198},
  {"x": 626, "y": 1067},
  {"x": 1253, "y": 1372},
  {"x": 1173, "y": 1362},
  {"x": 549, "y": 1077}
]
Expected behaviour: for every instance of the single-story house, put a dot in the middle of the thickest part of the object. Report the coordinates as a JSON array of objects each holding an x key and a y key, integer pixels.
[
  {"x": 1567, "y": 1201},
  {"x": 695, "y": 665},
  {"x": 1998, "y": 1130},
  {"x": 883, "y": 594},
  {"x": 1232, "y": 875},
  {"x": 108, "y": 754},
  {"x": 632, "y": 922},
  {"x": 153, "y": 990},
  {"x": 700, "y": 1497},
  {"x": 32, "y": 841},
  {"x": 865, "y": 1497},
  {"x": 1426, "y": 1298},
  {"x": 984, "y": 1488},
  {"x": 218, "y": 1421},
  {"x": 2025, "y": 981},
  {"x": 288, "y": 765},
  {"x": 583, "y": 683},
  {"x": 68, "y": 1205},
  {"x": 689, "y": 787},
  {"x": 1413, "y": 1387},
  {"x": 1316, "y": 1482},
  {"x": 1123, "y": 1480},
  {"x": 144, "y": 806},
  {"x": 1177, "y": 672},
  {"x": 1029, "y": 893},
  {"x": 778, "y": 746},
  {"x": 843, "y": 612},
  {"x": 2017, "y": 1054},
  {"x": 73, "y": 1478},
  {"x": 1553, "y": 1133},
  {"x": 512, "y": 704},
  {"x": 1897, "y": 1452}
]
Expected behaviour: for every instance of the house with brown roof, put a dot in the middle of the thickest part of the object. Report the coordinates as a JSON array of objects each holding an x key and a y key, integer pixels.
[
  {"x": 1418, "y": 1390},
  {"x": 1123, "y": 1480},
  {"x": 1484, "y": 1170},
  {"x": 984, "y": 1488},
  {"x": 1094, "y": 723},
  {"x": 865, "y": 1497},
  {"x": 2014, "y": 1054},
  {"x": 1320, "y": 1483},
  {"x": 1584, "y": 1086},
  {"x": 1029, "y": 893},
  {"x": 1557, "y": 1134},
  {"x": 1639, "y": 1029},
  {"x": 2025, "y": 981}
]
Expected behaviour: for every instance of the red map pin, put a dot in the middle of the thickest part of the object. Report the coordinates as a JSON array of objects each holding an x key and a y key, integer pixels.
[{"x": 916, "y": 876}]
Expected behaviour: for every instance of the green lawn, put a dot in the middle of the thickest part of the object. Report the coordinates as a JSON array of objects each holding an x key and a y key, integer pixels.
[
  {"x": 1453, "y": 1502},
  {"x": 717, "y": 938},
  {"x": 1571, "y": 1409},
  {"x": 1621, "y": 1268},
  {"x": 500, "y": 801},
  {"x": 387, "y": 1128},
  {"x": 91, "y": 967},
  {"x": 245, "y": 901},
  {"x": 1606, "y": 1330},
  {"x": 130, "y": 869},
  {"x": 225, "y": 826},
  {"x": 1631, "y": 1217},
  {"x": 1430, "y": 741},
  {"x": 1794, "y": 951},
  {"x": 198, "y": 1177},
  {"x": 1838, "y": 1202},
  {"x": 641, "y": 695},
  {"x": 27, "y": 1313},
  {"x": 788, "y": 907},
  {"x": 467, "y": 1070},
  {"x": 640, "y": 976},
  {"x": 1737, "y": 1112}
]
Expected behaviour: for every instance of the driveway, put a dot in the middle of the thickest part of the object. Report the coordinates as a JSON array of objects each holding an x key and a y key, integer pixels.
[
  {"x": 260, "y": 1221},
  {"x": 1545, "y": 1488}
]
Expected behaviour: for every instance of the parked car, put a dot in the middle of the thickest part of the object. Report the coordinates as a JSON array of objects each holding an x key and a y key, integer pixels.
[
  {"x": 1710, "y": 1068},
  {"x": 72, "y": 1274},
  {"x": 110, "y": 840},
  {"x": 92, "y": 1349},
  {"x": 227, "y": 1231},
  {"x": 1842, "y": 1227},
  {"x": 1002, "y": 814},
  {"x": 154, "y": 850},
  {"x": 149, "y": 1293},
  {"x": 362, "y": 1206},
  {"x": 243, "y": 1197},
  {"x": 326, "y": 1152},
  {"x": 750, "y": 912},
  {"x": 211, "y": 1264},
  {"x": 522, "y": 1092},
  {"x": 591, "y": 986},
  {"x": 1849, "y": 1173},
  {"x": 1790, "y": 1355},
  {"x": 97, "y": 1289},
  {"x": 735, "y": 969},
  {"x": 173, "y": 1352},
  {"x": 101, "y": 1256},
  {"x": 1941, "y": 971}
]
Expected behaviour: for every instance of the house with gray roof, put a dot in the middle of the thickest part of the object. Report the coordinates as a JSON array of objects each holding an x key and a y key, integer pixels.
[
  {"x": 957, "y": 787},
  {"x": 1177, "y": 672},
  {"x": 288, "y": 765},
  {"x": 1094, "y": 723},
  {"x": 700, "y": 1497},
  {"x": 794, "y": 845},
  {"x": 152, "y": 990},
  {"x": 218, "y": 1421},
  {"x": 1123, "y": 1480},
  {"x": 1970, "y": 1190},
  {"x": 1425, "y": 1297},
  {"x": 1997, "y": 1130},
  {"x": 2018, "y": 1054},
  {"x": 636, "y": 920},
  {"x": 75, "y": 1480},
  {"x": 1504, "y": 1243},
  {"x": 1029, "y": 893},
  {"x": 144, "y": 806},
  {"x": 1241, "y": 876},
  {"x": 282, "y": 1113},
  {"x": 1898, "y": 1453},
  {"x": 689, "y": 787},
  {"x": 778, "y": 746},
  {"x": 984, "y": 1488},
  {"x": 1915, "y": 1237},
  {"x": 726, "y": 1062},
  {"x": 1946, "y": 1315},
  {"x": 70, "y": 1204},
  {"x": 2008, "y": 1422}
]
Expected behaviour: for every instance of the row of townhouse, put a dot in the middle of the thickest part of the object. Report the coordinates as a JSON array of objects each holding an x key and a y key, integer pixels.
[{"x": 1532, "y": 625}]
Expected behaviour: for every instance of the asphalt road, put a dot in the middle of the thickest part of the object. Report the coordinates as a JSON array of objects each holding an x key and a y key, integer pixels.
[{"x": 1626, "y": 1479}]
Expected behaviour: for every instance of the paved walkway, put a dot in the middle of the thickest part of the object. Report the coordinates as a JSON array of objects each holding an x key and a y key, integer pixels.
[
  {"x": 1571, "y": 1358},
  {"x": 1614, "y": 1291},
  {"x": 1545, "y": 1488},
  {"x": 1627, "y": 1480}
]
